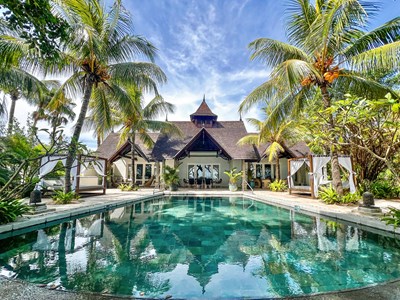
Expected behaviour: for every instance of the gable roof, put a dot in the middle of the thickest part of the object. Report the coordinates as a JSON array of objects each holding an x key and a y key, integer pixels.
[
  {"x": 109, "y": 148},
  {"x": 203, "y": 111},
  {"x": 224, "y": 133}
]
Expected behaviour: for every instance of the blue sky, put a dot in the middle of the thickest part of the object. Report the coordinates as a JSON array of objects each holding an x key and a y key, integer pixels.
[{"x": 203, "y": 49}]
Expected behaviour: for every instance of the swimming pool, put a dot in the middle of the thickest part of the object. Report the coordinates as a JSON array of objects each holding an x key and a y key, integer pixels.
[{"x": 201, "y": 247}]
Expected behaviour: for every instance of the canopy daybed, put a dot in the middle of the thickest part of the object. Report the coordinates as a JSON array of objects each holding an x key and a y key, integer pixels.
[
  {"x": 317, "y": 174},
  {"x": 85, "y": 173}
]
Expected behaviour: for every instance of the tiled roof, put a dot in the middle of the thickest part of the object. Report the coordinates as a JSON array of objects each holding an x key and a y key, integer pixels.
[
  {"x": 225, "y": 133},
  {"x": 109, "y": 146},
  {"x": 203, "y": 110}
]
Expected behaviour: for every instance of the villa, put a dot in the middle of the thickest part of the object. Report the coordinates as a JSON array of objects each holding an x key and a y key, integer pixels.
[{"x": 207, "y": 149}]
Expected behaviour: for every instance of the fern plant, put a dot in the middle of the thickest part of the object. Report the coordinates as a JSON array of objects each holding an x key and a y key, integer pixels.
[
  {"x": 329, "y": 195},
  {"x": 10, "y": 210},
  {"x": 60, "y": 197},
  {"x": 278, "y": 186},
  {"x": 392, "y": 217},
  {"x": 128, "y": 187}
]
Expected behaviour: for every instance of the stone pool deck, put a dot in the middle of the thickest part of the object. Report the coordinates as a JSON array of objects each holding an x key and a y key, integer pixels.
[{"x": 14, "y": 289}]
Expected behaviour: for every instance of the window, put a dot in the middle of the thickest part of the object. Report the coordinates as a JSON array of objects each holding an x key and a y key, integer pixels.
[
  {"x": 267, "y": 172},
  {"x": 191, "y": 172},
  {"x": 215, "y": 172},
  {"x": 139, "y": 171},
  {"x": 207, "y": 171},
  {"x": 147, "y": 172},
  {"x": 258, "y": 171}
]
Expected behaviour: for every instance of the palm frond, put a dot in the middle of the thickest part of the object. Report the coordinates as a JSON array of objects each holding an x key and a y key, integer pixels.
[
  {"x": 156, "y": 107},
  {"x": 301, "y": 15},
  {"x": 386, "y": 57},
  {"x": 354, "y": 83},
  {"x": 144, "y": 75},
  {"x": 385, "y": 34},
  {"x": 251, "y": 139},
  {"x": 273, "y": 52}
]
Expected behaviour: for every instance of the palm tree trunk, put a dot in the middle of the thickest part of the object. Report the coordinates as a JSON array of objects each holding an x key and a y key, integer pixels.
[
  {"x": 132, "y": 170},
  {"x": 14, "y": 97},
  {"x": 98, "y": 140},
  {"x": 336, "y": 179},
  {"x": 77, "y": 132},
  {"x": 278, "y": 168}
]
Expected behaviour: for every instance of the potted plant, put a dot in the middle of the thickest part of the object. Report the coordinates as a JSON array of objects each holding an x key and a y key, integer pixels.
[
  {"x": 171, "y": 177},
  {"x": 233, "y": 178}
]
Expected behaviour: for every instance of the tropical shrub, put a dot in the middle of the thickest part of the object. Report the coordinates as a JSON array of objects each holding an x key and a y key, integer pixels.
[
  {"x": 233, "y": 175},
  {"x": 381, "y": 188},
  {"x": 392, "y": 217},
  {"x": 128, "y": 187},
  {"x": 350, "y": 198},
  {"x": 60, "y": 197},
  {"x": 278, "y": 186},
  {"x": 330, "y": 196},
  {"x": 10, "y": 210},
  {"x": 171, "y": 176}
]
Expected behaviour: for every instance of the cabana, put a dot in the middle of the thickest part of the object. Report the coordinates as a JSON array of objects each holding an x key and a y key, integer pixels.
[
  {"x": 316, "y": 165},
  {"x": 85, "y": 173}
]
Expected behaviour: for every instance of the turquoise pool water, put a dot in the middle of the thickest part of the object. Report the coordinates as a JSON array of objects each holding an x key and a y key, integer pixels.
[{"x": 191, "y": 247}]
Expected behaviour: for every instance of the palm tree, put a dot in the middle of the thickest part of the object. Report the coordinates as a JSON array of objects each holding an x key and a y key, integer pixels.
[
  {"x": 275, "y": 134},
  {"x": 328, "y": 52},
  {"x": 101, "y": 55},
  {"x": 138, "y": 121},
  {"x": 14, "y": 80}
]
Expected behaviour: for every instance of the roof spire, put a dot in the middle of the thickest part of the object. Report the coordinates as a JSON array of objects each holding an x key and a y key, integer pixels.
[{"x": 204, "y": 98}]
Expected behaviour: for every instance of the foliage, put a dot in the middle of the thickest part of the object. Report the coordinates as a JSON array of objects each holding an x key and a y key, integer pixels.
[
  {"x": 171, "y": 176},
  {"x": 350, "y": 198},
  {"x": 37, "y": 24},
  {"x": 103, "y": 54},
  {"x": 328, "y": 53},
  {"x": 276, "y": 135},
  {"x": 60, "y": 197},
  {"x": 330, "y": 196},
  {"x": 128, "y": 187},
  {"x": 392, "y": 217},
  {"x": 381, "y": 188},
  {"x": 368, "y": 129},
  {"x": 278, "y": 186},
  {"x": 233, "y": 175},
  {"x": 10, "y": 210}
]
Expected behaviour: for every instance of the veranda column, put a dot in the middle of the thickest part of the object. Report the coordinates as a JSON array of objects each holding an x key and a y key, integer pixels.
[
  {"x": 243, "y": 175},
  {"x": 157, "y": 174}
]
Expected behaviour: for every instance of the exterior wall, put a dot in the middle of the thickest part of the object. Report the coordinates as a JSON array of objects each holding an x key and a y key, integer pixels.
[
  {"x": 122, "y": 172},
  {"x": 223, "y": 166}
]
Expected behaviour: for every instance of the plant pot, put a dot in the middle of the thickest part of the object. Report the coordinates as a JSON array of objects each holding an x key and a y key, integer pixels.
[
  {"x": 252, "y": 184},
  {"x": 233, "y": 187},
  {"x": 173, "y": 187}
]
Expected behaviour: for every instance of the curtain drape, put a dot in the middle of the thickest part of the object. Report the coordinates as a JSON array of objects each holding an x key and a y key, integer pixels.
[
  {"x": 295, "y": 165},
  {"x": 318, "y": 163},
  {"x": 345, "y": 161}
]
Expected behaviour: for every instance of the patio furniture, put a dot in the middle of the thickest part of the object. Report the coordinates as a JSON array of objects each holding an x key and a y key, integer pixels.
[
  {"x": 191, "y": 182},
  {"x": 208, "y": 183},
  {"x": 266, "y": 183},
  {"x": 186, "y": 182},
  {"x": 217, "y": 182},
  {"x": 200, "y": 182}
]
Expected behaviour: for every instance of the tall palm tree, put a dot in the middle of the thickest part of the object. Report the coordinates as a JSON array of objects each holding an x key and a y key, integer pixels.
[
  {"x": 328, "y": 52},
  {"x": 275, "y": 134},
  {"x": 139, "y": 120},
  {"x": 101, "y": 55},
  {"x": 15, "y": 81}
]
